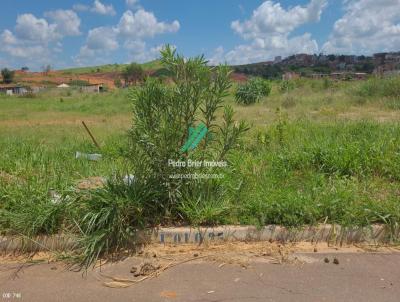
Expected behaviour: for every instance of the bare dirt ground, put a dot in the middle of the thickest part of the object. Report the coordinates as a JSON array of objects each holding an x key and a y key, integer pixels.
[
  {"x": 220, "y": 272},
  {"x": 58, "y": 77}
]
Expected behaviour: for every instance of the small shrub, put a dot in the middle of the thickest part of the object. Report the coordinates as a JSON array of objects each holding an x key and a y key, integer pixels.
[{"x": 252, "y": 91}]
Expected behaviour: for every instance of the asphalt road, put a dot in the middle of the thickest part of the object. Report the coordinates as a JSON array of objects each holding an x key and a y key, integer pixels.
[{"x": 357, "y": 277}]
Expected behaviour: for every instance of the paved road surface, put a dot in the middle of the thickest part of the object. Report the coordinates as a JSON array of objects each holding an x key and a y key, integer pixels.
[{"x": 357, "y": 277}]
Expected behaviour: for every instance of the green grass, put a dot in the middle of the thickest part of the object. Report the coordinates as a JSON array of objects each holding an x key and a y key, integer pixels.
[{"x": 329, "y": 154}]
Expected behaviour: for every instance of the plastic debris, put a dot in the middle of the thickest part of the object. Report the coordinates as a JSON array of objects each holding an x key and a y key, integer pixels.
[
  {"x": 88, "y": 156},
  {"x": 129, "y": 179},
  {"x": 55, "y": 197}
]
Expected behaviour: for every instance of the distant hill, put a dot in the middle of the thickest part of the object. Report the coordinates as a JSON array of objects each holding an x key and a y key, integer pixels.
[
  {"x": 307, "y": 65},
  {"x": 300, "y": 64},
  {"x": 152, "y": 65}
]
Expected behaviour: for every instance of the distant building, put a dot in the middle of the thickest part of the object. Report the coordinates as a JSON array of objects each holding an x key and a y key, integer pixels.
[
  {"x": 63, "y": 85},
  {"x": 360, "y": 75},
  {"x": 11, "y": 89},
  {"x": 96, "y": 88},
  {"x": 37, "y": 89},
  {"x": 320, "y": 75},
  {"x": 287, "y": 76}
]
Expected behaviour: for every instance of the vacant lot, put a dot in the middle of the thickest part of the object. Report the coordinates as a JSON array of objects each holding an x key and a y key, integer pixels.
[{"x": 317, "y": 152}]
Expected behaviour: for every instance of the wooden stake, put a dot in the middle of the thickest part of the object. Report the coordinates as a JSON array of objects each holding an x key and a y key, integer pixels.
[{"x": 91, "y": 135}]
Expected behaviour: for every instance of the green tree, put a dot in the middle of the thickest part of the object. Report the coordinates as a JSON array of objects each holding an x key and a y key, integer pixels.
[
  {"x": 8, "y": 75},
  {"x": 133, "y": 74}
]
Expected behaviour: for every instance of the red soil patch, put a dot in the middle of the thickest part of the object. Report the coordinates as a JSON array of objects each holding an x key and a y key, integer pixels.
[
  {"x": 58, "y": 77},
  {"x": 239, "y": 77}
]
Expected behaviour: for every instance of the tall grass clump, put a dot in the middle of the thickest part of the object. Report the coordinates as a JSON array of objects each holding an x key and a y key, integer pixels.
[
  {"x": 286, "y": 86},
  {"x": 307, "y": 173},
  {"x": 252, "y": 91},
  {"x": 108, "y": 223},
  {"x": 383, "y": 87}
]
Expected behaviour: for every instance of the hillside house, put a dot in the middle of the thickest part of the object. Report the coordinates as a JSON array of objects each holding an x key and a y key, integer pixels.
[
  {"x": 11, "y": 89},
  {"x": 63, "y": 85},
  {"x": 93, "y": 88}
]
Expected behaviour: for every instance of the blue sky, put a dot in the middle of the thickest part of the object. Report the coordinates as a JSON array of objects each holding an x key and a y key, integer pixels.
[{"x": 68, "y": 33}]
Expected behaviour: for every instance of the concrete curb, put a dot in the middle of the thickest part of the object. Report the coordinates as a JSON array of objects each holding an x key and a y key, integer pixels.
[
  {"x": 375, "y": 234},
  {"x": 334, "y": 234}
]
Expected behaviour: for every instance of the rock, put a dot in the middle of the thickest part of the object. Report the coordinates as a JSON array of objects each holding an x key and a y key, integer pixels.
[
  {"x": 133, "y": 269},
  {"x": 326, "y": 260},
  {"x": 148, "y": 268},
  {"x": 336, "y": 260}
]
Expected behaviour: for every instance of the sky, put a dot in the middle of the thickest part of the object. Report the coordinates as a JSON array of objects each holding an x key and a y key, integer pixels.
[{"x": 70, "y": 33}]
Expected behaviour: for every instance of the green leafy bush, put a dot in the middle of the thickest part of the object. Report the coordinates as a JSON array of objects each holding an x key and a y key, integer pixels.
[
  {"x": 252, "y": 91},
  {"x": 163, "y": 115}
]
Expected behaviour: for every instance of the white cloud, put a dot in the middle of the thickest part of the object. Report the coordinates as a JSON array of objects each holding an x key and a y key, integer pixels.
[
  {"x": 67, "y": 22},
  {"x": 80, "y": 7},
  {"x": 97, "y": 7},
  {"x": 99, "y": 42},
  {"x": 131, "y": 32},
  {"x": 367, "y": 26},
  {"x": 8, "y": 38},
  {"x": 255, "y": 52},
  {"x": 272, "y": 18},
  {"x": 102, "y": 9},
  {"x": 102, "y": 38},
  {"x": 35, "y": 40},
  {"x": 269, "y": 32},
  {"x": 143, "y": 24},
  {"x": 30, "y": 28},
  {"x": 140, "y": 53},
  {"x": 132, "y": 3},
  {"x": 217, "y": 57}
]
